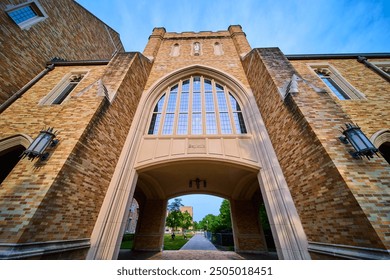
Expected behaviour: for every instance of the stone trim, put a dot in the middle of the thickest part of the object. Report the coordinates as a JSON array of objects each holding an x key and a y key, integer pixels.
[
  {"x": 349, "y": 252},
  {"x": 380, "y": 137},
  {"x": 27, "y": 250},
  {"x": 288, "y": 231},
  {"x": 35, "y": 6},
  {"x": 15, "y": 140},
  {"x": 332, "y": 73}
]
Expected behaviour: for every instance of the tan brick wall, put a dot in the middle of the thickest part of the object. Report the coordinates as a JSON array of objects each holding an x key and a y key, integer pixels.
[
  {"x": 69, "y": 32},
  {"x": 61, "y": 198},
  {"x": 229, "y": 62},
  {"x": 340, "y": 200}
]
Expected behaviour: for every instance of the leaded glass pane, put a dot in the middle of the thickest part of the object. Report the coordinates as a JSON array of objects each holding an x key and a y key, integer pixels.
[
  {"x": 182, "y": 125},
  {"x": 209, "y": 102},
  {"x": 168, "y": 124},
  {"x": 154, "y": 124},
  {"x": 174, "y": 88},
  {"x": 225, "y": 123},
  {"x": 22, "y": 14},
  {"x": 61, "y": 97},
  {"x": 191, "y": 119},
  {"x": 196, "y": 86},
  {"x": 196, "y": 123},
  {"x": 239, "y": 122},
  {"x": 172, "y": 102},
  {"x": 196, "y": 102},
  {"x": 234, "y": 103},
  {"x": 211, "y": 123},
  {"x": 222, "y": 106},
  {"x": 159, "y": 105},
  {"x": 207, "y": 85},
  {"x": 184, "y": 102},
  {"x": 334, "y": 87},
  {"x": 186, "y": 85},
  {"x": 219, "y": 87}
]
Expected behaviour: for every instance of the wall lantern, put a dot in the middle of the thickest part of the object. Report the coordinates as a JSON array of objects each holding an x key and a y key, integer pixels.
[
  {"x": 197, "y": 182},
  {"x": 39, "y": 145},
  {"x": 359, "y": 141}
]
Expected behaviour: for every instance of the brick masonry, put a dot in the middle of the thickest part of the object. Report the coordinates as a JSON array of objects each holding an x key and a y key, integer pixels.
[
  {"x": 161, "y": 43},
  {"x": 59, "y": 199},
  {"x": 340, "y": 200},
  {"x": 77, "y": 36}
]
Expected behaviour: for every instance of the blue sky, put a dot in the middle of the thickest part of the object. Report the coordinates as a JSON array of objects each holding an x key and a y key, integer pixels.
[
  {"x": 296, "y": 27},
  {"x": 301, "y": 26}
]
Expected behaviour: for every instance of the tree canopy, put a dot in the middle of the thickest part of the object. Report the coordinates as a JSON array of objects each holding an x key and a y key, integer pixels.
[
  {"x": 176, "y": 218},
  {"x": 219, "y": 223}
]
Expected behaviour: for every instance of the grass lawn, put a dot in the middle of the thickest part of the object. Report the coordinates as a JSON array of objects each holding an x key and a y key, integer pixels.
[
  {"x": 127, "y": 241},
  {"x": 169, "y": 244},
  {"x": 175, "y": 244}
]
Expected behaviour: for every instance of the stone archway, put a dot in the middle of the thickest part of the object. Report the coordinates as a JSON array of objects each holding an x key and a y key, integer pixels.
[
  {"x": 11, "y": 148},
  {"x": 143, "y": 153},
  {"x": 236, "y": 183}
]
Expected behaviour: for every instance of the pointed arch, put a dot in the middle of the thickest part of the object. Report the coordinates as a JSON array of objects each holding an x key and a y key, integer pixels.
[
  {"x": 286, "y": 226},
  {"x": 197, "y": 105},
  {"x": 237, "y": 86},
  {"x": 10, "y": 150}
]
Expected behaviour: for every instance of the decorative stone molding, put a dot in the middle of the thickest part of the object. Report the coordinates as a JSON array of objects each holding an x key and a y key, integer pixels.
[
  {"x": 35, "y": 249},
  {"x": 349, "y": 252},
  {"x": 380, "y": 137},
  {"x": 15, "y": 140}
]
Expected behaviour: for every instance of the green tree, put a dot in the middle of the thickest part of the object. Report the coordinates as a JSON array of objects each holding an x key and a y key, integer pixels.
[
  {"x": 210, "y": 223},
  {"x": 196, "y": 225},
  {"x": 225, "y": 220},
  {"x": 175, "y": 216},
  {"x": 222, "y": 222},
  {"x": 175, "y": 205},
  {"x": 174, "y": 219},
  {"x": 186, "y": 221}
]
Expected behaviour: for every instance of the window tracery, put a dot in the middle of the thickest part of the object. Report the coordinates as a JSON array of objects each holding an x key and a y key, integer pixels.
[{"x": 197, "y": 105}]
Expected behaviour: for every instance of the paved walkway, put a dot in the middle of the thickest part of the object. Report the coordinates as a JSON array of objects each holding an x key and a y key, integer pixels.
[
  {"x": 193, "y": 255},
  {"x": 199, "y": 242},
  {"x": 197, "y": 248}
]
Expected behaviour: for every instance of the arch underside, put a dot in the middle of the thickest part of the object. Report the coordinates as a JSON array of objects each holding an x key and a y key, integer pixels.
[{"x": 175, "y": 178}]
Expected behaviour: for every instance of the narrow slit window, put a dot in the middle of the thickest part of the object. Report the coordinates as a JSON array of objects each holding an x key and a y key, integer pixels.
[
  {"x": 334, "y": 87},
  {"x": 336, "y": 83},
  {"x": 63, "y": 89}
]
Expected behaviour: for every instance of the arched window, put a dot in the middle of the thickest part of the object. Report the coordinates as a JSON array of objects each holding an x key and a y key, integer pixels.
[
  {"x": 11, "y": 149},
  {"x": 384, "y": 150},
  {"x": 196, "y": 106},
  {"x": 381, "y": 140}
]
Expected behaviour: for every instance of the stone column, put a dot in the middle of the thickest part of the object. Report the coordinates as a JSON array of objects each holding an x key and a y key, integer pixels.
[
  {"x": 239, "y": 39},
  {"x": 248, "y": 234},
  {"x": 150, "y": 230},
  {"x": 154, "y": 42}
]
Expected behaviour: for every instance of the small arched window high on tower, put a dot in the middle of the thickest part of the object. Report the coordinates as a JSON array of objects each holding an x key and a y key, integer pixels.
[{"x": 197, "y": 106}]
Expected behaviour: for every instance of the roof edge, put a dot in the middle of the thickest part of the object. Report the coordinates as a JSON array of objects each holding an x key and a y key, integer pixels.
[{"x": 336, "y": 56}]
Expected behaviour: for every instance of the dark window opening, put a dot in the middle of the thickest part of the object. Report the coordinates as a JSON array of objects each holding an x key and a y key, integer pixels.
[
  {"x": 384, "y": 149},
  {"x": 8, "y": 160}
]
